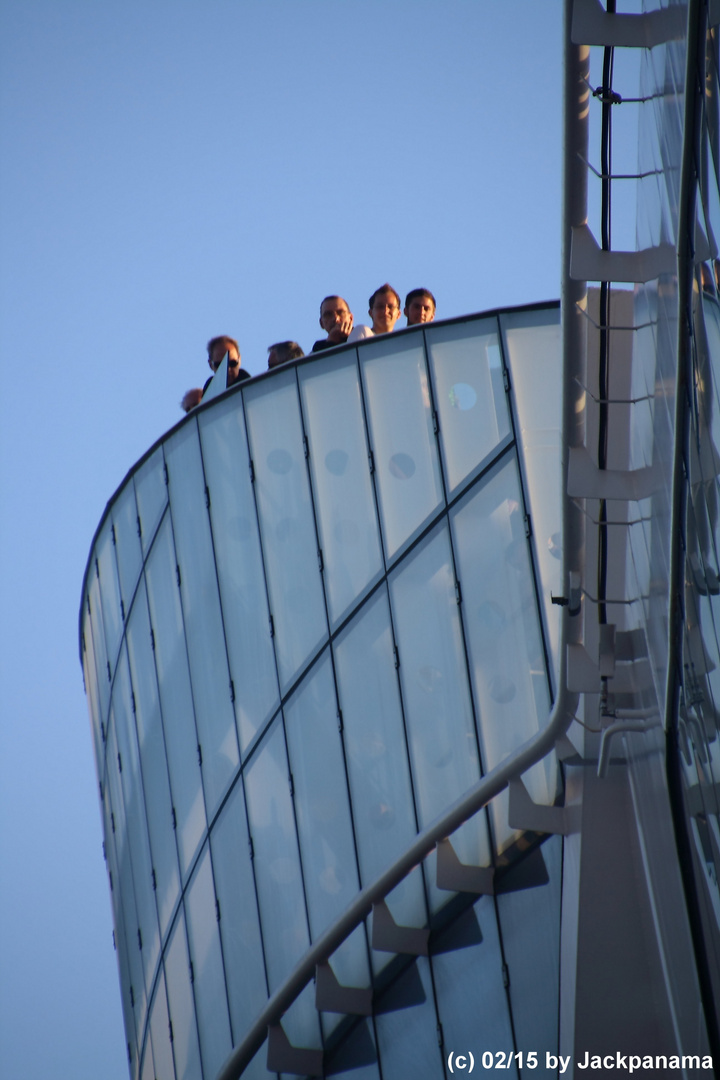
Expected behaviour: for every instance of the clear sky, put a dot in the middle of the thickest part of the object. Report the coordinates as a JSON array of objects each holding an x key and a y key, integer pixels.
[{"x": 171, "y": 170}]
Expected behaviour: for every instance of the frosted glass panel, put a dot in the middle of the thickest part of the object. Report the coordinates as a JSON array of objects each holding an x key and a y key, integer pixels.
[
  {"x": 175, "y": 695},
  {"x": 340, "y": 470},
  {"x": 400, "y": 419},
  {"x": 502, "y": 628},
  {"x": 182, "y": 1009},
  {"x": 209, "y": 674},
  {"x": 109, "y": 590},
  {"x": 207, "y": 967},
  {"x": 532, "y": 341},
  {"x": 323, "y": 811},
  {"x": 436, "y": 691},
  {"x": 376, "y": 750},
  {"x": 151, "y": 494},
  {"x": 246, "y": 616},
  {"x": 127, "y": 543},
  {"x": 239, "y": 926},
  {"x": 277, "y": 866},
  {"x": 151, "y": 740},
  {"x": 286, "y": 521},
  {"x": 466, "y": 367}
]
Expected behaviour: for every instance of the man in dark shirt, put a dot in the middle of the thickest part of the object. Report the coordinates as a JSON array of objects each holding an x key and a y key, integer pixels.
[
  {"x": 419, "y": 306},
  {"x": 216, "y": 349},
  {"x": 283, "y": 351},
  {"x": 336, "y": 320}
]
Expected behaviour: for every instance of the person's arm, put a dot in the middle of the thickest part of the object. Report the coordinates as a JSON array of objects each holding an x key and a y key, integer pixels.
[{"x": 360, "y": 332}]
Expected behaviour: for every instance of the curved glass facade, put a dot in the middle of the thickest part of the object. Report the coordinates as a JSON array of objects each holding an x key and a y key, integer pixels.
[{"x": 311, "y": 621}]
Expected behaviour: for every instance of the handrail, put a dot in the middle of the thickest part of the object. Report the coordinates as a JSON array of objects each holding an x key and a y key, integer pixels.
[
  {"x": 563, "y": 712},
  {"x": 472, "y": 801}
]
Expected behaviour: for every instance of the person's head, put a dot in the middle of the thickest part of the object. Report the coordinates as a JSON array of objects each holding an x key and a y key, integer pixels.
[
  {"x": 335, "y": 318},
  {"x": 216, "y": 349},
  {"x": 384, "y": 309},
  {"x": 419, "y": 306},
  {"x": 283, "y": 351}
]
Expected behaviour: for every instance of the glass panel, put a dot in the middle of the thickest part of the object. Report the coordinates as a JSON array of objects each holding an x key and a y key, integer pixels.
[
  {"x": 109, "y": 590},
  {"x": 204, "y": 634},
  {"x": 407, "y": 1026},
  {"x": 91, "y": 687},
  {"x": 532, "y": 341},
  {"x": 175, "y": 695},
  {"x": 102, "y": 667},
  {"x": 160, "y": 1032},
  {"x": 127, "y": 543},
  {"x": 436, "y": 693},
  {"x": 377, "y": 752},
  {"x": 356, "y": 1057},
  {"x": 339, "y": 466},
  {"x": 276, "y": 862},
  {"x": 322, "y": 811},
  {"x": 152, "y": 756},
  {"x": 151, "y": 493},
  {"x": 239, "y": 566},
  {"x": 466, "y": 368},
  {"x": 207, "y": 966},
  {"x": 469, "y": 982},
  {"x": 123, "y": 882},
  {"x": 181, "y": 1005},
  {"x": 400, "y": 419},
  {"x": 502, "y": 629},
  {"x": 123, "y": 721},
  {"x": 286, "y": 520},
  {"x": 239, "y": 925},
  {"x": 530, "y": 925}
]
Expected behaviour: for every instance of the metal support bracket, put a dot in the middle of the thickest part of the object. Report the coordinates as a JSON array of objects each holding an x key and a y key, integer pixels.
[
  {"x": 588, "y": 262},
  {"x": 525, "y": 814},
  {"x": 586, "y": 481},
  {"x": 330, "y": 996},
  {"x": 459, "y": 877},
  {"x": 283, "y": 1057},
  {"x": 387, "y": 936},
  {"x": 592, "y": 25}
]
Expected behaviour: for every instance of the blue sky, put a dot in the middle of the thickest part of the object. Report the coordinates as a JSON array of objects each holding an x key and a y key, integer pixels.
[{"x": 170, "y": 171}]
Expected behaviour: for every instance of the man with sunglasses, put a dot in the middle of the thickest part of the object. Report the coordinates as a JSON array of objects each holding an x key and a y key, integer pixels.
[{"x": 216, "y": 349}]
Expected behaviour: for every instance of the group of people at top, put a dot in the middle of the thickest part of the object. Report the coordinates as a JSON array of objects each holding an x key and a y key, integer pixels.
[{"x": 336, "y": 319}]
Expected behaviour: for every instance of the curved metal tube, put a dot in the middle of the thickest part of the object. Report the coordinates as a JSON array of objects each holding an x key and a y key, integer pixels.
[{"x": 472, "y": 801}]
